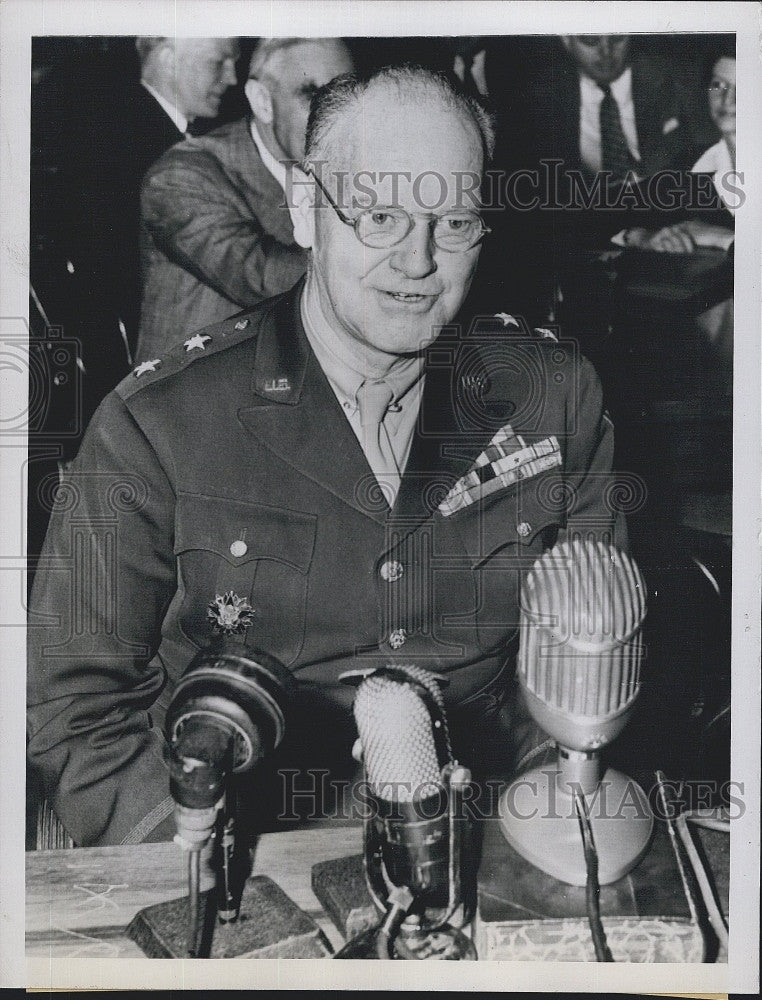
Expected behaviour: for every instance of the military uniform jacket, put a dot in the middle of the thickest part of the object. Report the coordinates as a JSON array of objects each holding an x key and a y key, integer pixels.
[{"x": 230, "y": 467}]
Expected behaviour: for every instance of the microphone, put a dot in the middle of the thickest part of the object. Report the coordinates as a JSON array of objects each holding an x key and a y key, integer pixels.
[
  {"x": 580, "y": 655},
  {"x": 227, "y": 712},
  {"x": 414, "y": 830}
]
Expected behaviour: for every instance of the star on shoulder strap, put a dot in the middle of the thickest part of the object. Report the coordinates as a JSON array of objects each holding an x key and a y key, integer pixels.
[{"x": 197, "y": 342}]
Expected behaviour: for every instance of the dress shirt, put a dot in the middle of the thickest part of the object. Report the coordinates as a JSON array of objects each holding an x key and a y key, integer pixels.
[
  {"x": 718, "y": 161},
  {"x": 174, "y": 113},
  {"x": 346, "y": 368},
  {"x": 591, "y": 95}
]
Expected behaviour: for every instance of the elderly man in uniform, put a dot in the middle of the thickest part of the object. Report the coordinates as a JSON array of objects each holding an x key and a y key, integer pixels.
[
  {"x": 216, "y": 231},
  {"x": 328, "y": 467}
]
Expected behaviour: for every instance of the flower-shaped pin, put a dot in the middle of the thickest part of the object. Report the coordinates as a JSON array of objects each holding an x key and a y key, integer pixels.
[{"x": 230, "y": 614}]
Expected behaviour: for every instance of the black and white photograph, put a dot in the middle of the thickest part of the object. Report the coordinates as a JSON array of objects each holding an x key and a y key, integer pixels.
[{"x": 380, "y": 464}]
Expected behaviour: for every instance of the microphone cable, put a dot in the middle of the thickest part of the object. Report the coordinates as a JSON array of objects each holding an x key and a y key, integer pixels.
[{"x": 592, "y": 886}]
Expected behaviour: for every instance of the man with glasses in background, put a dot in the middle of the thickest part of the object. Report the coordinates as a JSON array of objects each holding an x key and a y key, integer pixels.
[{"x": 341, "y": 477}]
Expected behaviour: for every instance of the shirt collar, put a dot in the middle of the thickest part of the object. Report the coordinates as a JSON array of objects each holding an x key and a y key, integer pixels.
[
  {"x": 174, "y": 113},
  {"x": 344, "y": 364},
  {"x": 275, "y": 167},
  {"x": 621, "y": 88}
]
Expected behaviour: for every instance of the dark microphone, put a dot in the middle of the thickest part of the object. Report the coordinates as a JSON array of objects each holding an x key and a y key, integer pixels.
[
  {"x": 227, "y": 712},
  {"x": 414, "y": 828},
  {"x": 580, "y": 656}
]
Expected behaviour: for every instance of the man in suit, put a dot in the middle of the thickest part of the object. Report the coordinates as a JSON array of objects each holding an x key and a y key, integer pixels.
[
  {"x": 601, "y": 102},
  {"x": 218, "y": 235},
  {"x": 581, "y": 114},
  {"x": 355, "y": 479},
  {"x": 181, "y": 79}
]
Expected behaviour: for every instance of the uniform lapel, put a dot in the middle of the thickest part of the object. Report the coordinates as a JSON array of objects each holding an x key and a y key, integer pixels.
[
  {"x": 447, "y": 438},
  {"x": 296, "y": 414}
]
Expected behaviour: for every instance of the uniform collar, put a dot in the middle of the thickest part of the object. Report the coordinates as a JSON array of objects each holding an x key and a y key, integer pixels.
[{"x": 344, "y": 363}]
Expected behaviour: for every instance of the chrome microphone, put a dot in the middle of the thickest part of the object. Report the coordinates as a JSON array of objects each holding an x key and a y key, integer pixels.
[
  {"x": 580, "y": 656},
  {"x": 414, "y": 829}
]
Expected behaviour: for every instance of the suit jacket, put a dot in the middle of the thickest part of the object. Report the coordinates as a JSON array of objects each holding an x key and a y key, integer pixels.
[
  {"x": 543, "y": 117},
  {"x": 118, "y": 146},
  {"x": 241, "y": 439},
  {"x": 217, "y": 236}
]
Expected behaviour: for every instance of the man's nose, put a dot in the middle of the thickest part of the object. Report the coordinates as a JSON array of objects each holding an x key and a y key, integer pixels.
[{"x": 414, "y": 256}]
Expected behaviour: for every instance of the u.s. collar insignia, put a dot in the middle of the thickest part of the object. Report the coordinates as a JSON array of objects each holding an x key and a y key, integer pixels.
[
  {"x": 230, "y": 614},
  {"x": 277, "y": 385}
]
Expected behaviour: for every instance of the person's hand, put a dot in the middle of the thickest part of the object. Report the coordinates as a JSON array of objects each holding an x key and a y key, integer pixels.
[{"x": 673, "y": 239}]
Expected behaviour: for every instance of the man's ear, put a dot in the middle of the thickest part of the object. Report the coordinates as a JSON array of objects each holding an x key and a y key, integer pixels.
[
  {"x": 300, "y": 195},
  {"x": 260, "y": 101}
]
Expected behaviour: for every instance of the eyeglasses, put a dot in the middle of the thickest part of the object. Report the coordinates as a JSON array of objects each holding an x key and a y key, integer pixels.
[
  {"x": 721, "y": 88},
  {"x": 381, "y": 228}
]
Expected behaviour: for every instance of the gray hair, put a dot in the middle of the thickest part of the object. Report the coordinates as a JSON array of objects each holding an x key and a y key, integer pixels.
[
  {"x": 336, "y": 97},
  {"x": 266, "y": 48},
  {"x": 146, "y": 45}
]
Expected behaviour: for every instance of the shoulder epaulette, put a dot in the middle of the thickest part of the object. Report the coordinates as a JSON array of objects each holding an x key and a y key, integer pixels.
[{"x": 201, "y": 344}]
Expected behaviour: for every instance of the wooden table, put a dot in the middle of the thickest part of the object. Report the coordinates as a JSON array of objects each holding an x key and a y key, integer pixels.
[{"x": 79, "y": 902}]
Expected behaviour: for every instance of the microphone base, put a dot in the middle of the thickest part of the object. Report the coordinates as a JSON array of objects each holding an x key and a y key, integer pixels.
[
  {"x": 539, "y": 820},
  {"x": 446, "y": 943}
]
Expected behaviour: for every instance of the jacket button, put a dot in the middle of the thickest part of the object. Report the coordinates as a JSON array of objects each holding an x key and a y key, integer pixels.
[
  {"x": 239, "y": 548},
  {"x": 524, "y": 528},
  {"x": 397, "y": 638},
  {"x": 391, "y": 571}
]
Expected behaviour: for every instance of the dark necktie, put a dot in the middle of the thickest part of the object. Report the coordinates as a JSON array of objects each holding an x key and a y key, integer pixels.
[{"x": 616, "y": 157}]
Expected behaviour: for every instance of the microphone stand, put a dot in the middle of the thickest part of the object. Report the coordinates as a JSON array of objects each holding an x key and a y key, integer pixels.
[{"x": 427, "y": 934}]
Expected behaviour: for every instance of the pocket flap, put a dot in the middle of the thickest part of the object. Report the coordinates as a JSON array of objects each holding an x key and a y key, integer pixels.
[
  {"x": 239, "y": 531},
  {"x": 512, "y": 517}
]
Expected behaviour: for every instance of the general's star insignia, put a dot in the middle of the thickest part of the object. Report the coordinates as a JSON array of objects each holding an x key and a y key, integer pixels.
[
  {"x": 147, "y": 366},
  {"x": 507, "y": 320},
  {"x": 197, "y": 342}
]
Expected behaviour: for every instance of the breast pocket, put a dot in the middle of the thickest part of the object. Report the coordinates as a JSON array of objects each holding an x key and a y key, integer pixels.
[
  {"x": 503, "y": 538},
  {"x": 259, "y": 554}
]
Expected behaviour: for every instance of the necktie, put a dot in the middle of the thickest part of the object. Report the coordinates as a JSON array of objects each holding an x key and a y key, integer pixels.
[
  {"x": 373, "y": 399},
  {"x": 615, "y": 153}
]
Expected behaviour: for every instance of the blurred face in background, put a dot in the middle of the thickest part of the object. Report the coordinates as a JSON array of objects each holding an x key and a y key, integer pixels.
[
  {"x": 204, "y": 69},
  {"x": 722, "y": 95},
  {"x": 291, "y": 76},
  {"x": 601, "y": 57}
]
